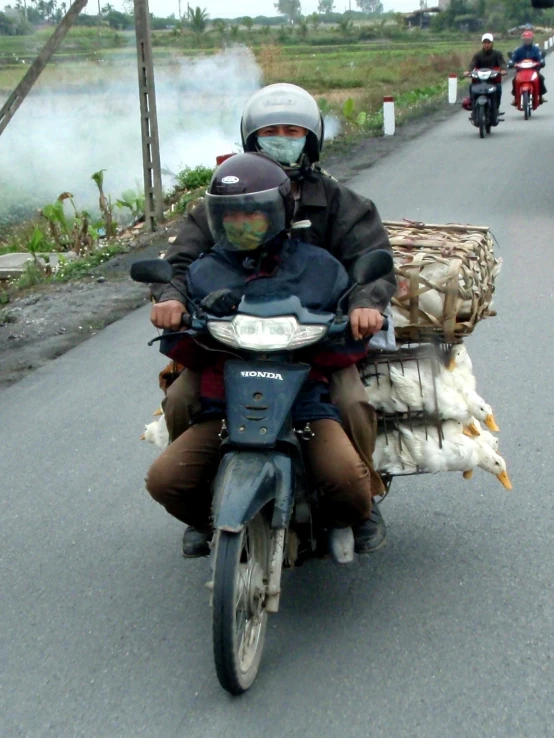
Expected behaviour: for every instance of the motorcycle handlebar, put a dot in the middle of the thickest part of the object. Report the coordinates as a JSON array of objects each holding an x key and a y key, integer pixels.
[{"x": 186, "y": 322}]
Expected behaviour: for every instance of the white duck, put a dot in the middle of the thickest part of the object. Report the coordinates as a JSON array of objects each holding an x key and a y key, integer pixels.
[
  {"x": 454, "y": 452},
  {"x": 480, "y": 409},
  {"x": 492, "y": 462},
  {"x": 378, "y": 391},
  {"x": 156, "y": 432},
  {"x": 460, "y": 367},
  {"x": 392, "y": 456},
  {"x": 416, "y": 388},
  {"x": 481, "y": 435}
]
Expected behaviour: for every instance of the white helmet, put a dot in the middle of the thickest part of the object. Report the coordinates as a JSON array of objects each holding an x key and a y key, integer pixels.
[{"x": 283, "y": 104}]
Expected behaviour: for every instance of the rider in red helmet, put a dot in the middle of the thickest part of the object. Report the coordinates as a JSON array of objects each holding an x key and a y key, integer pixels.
[{"x": 528, "y": 50}]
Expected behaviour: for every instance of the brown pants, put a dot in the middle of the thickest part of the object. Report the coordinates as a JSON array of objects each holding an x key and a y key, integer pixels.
[
  {"x": 180, "y": 478},
  {"x": 347, "y": 392}
]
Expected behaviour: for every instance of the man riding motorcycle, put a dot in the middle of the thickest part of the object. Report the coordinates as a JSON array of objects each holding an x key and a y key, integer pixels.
[
  {"x": 488, "y": 58},
  {"x": 528, "y": 50},
  {"x": 249, "y": 208},
  {"x": 284, "y": 121}
]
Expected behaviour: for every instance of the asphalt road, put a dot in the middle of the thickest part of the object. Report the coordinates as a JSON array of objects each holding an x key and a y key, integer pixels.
[{"x": 449, "y": 632}]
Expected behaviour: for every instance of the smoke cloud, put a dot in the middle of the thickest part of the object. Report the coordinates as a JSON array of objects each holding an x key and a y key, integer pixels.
[{"x": 61, "y": 135}]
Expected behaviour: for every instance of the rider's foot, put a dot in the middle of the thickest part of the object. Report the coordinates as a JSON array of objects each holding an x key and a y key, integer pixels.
[
  {"x": 513, "y": 103},
  {"x": 196, "y": 542},
  {"x": 341, "y": 545},
  {"x": 542, "y": 100},
  {"x": 370, "y": 535}
]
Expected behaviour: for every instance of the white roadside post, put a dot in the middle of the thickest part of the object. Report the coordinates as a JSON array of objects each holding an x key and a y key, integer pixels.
[
  {"x": 452, "y": 88},
  {"x": 388, "y": 116},
  {"x": 545, "y": 45}
]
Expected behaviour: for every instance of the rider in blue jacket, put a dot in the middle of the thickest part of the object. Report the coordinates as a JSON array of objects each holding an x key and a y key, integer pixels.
[{"x": 528, "y": 50}]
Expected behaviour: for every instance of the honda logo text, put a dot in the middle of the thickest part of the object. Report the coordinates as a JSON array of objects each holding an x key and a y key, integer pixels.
[{"x": 262, "y": 375}]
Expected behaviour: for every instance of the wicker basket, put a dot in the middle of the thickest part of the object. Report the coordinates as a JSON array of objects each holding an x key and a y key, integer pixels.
[{"x": 446, "y": 278}]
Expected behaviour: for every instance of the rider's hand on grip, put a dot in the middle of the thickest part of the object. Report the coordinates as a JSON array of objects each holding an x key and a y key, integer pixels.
[
  {"x": 168, "y": 314},
  {"x": 364, "y": 322},
  {"x": 220, "y": 303}
]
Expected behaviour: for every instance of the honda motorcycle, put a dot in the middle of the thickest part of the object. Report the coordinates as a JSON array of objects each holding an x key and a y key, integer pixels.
[
  {"x": 482, "y": 100},
  {"x": 265, "y": 510},
  {"x": 527, "y": 86}
]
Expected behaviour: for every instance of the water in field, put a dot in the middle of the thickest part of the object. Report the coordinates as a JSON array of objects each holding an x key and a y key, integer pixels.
[{"x": 90, "y": 120}]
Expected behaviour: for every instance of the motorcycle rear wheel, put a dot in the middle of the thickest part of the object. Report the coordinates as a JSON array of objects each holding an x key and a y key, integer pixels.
[
  {"x": 525, "y": 105},
  {"x": 241, "y": 574}
]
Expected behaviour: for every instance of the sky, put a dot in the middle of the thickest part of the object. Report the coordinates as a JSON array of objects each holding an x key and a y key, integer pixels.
[{"x": 236, "y": 8}]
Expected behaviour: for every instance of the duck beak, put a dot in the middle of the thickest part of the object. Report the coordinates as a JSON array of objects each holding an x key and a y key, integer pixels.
[
  {"x": 504, "y": 479},
  {"x": 159, "y": 411},
  {"x": 143, "y": 437},
  {"x": 471, "y": 430},
  {"x": 490, "y": 422},
  {"x": 468, "y": 474},
  {"x": 451, "y": 365}
]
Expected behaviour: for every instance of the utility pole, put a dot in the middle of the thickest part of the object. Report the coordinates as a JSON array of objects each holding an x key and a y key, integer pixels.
[
  {"x": 153, "y": 195},
  {"x": 13, "y": 102}
]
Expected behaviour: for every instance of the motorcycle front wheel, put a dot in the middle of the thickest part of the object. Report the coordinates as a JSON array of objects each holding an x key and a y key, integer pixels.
[
  {"x": 525, "y": 104},
  {"x": 241, "y": 575},
  {"x": 481, "y": 121}
]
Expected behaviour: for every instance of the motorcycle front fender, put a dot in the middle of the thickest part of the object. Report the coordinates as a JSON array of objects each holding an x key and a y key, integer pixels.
[
  {"x": 246, "y": 481},
  {"x": 482, "y": 100}
]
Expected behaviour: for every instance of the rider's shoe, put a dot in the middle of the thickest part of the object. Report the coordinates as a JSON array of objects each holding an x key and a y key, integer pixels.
[
  {"x": 341, "y": 545},
  {"x": 542, "y": 100},
  {"x": 514, "y": 103},
  {"x": 196, "y": 542},
  {"x": 370, "y": 535}
]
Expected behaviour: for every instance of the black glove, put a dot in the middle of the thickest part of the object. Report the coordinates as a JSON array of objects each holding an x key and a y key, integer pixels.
[{"x": 220, "y": 303}]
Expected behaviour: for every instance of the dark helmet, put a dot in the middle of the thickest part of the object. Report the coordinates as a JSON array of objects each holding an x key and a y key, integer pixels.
[
  {"x": 252, "y": 184},
  {"x": 283, "y": 104}
]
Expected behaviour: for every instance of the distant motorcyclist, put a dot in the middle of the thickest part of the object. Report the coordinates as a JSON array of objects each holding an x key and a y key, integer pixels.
[
  {"x": 528, "y": 50},
  {"x": 488, "y": 58}
]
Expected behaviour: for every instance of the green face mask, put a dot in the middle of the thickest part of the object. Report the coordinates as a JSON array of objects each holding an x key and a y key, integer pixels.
[{"x": 248, "y": 234}]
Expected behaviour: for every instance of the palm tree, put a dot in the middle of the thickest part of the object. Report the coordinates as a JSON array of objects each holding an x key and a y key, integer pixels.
[{"x": 197, "y": 20}]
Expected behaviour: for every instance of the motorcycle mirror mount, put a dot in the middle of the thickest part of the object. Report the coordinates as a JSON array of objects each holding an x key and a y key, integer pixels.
[{"x": 156, "y": 271}]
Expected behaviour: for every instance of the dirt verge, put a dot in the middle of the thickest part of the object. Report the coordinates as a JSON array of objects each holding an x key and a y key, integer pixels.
[{"x": 49, "y": 320}]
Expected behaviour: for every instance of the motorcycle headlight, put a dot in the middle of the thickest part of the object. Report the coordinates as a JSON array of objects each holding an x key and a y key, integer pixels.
[{"x": 265, "y": 334}]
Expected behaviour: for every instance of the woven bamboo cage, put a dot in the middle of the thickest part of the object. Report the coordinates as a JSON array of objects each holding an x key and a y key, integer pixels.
[{"x": 446, "y": 279}]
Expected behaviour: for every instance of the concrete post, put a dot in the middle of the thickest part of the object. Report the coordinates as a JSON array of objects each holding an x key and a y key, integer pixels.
[
  {"x": 153, "y": 194},
  {"x": 452, "y": 88},
  {"x": 388, "y": 116}
]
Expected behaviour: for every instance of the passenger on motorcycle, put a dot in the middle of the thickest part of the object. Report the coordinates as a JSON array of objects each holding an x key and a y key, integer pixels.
[
  {"x": 249, "y": 209},
  {"x": 284, "y": 121},
  {"x": 528, "y": 50},
  {"x": 488, "y": 58}
]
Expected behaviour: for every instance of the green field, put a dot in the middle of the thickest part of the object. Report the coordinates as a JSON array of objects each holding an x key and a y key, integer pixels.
[{"x": 348, "y": 79}]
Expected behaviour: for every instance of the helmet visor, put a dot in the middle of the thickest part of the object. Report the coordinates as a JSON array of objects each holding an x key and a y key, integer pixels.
[{"x": 245, "y": 222}]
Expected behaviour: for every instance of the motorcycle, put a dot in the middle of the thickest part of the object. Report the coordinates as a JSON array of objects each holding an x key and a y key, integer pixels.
[
  {"x": 483, "y": 102},
  {"x": 265, "y": 510},
  {"x": 527, "y": 86}
]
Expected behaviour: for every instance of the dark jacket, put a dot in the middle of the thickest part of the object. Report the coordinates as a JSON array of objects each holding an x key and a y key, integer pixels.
[
  {"x": 292, "y": 268},
  {"x": 527, "y": 52},
  {"x": 343, "y": 223},
  {"x": 487, "y": 60}
]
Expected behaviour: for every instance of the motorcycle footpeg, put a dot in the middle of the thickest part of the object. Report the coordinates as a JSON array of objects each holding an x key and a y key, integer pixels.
[{"x": 341, "y": 545}]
